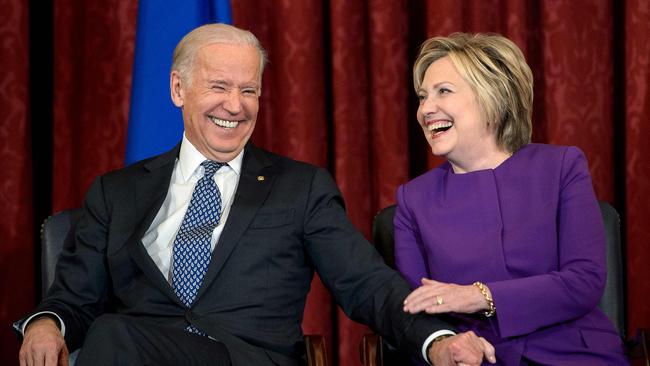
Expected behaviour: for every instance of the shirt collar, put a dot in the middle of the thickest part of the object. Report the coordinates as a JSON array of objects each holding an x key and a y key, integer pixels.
[{"x": 189, "y": 159}]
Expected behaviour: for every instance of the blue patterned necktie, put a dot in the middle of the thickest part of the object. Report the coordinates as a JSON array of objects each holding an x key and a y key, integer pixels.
[{"x": 191, "y": 254}]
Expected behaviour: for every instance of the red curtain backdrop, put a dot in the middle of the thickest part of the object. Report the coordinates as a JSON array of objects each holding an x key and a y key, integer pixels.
[
  {"x": 637, "y": 159},
  {"x": 338, "y": 93},
  {"x": 93, "y": 55},
  {"x": 16, "y": 243}
]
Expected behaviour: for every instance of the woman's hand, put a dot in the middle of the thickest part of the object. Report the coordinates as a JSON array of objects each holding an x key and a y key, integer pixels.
[{"x": 436, "y": 297}]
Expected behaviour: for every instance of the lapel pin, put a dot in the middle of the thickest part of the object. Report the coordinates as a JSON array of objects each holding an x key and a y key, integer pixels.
[{"x": 260, "y": 178}]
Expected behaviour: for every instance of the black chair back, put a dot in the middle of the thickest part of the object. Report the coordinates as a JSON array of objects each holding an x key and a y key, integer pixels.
[
  {"x": 613, "y": 301},
  {"x": 57, "y": 231}
]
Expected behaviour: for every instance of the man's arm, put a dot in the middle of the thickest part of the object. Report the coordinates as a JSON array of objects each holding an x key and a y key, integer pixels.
[
  {"x": 77, "y": 292},
  {"x": 367, "y": 290}
]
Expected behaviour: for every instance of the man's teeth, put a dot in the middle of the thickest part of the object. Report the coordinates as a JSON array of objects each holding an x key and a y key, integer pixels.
[
  {"x": 440, "y": 126},
  {"x": 224, "y": 123}
]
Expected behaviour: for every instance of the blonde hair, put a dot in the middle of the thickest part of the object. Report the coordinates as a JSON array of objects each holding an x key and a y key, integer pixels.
[
  {"x": 497, "y": 72},
  {"x": 183, "y": 57}
]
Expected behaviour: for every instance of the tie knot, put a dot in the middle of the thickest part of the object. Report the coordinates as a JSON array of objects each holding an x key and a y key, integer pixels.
[{"x": 211, "y": 167}]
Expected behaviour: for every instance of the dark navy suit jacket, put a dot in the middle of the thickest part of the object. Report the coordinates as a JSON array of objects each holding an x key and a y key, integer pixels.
[{"x": 287, "y": 220}]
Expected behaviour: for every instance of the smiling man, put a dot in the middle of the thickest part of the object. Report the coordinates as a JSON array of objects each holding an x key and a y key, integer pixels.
[
  {"x": 205, "y": 254},
  {"x": 219, "y": 96}
]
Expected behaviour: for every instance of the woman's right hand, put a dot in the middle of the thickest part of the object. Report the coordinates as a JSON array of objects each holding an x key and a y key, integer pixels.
[{"x": 435, "y": 297}]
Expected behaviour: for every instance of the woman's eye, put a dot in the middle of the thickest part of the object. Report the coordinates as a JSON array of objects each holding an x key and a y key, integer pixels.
[{"x": 444, "y": 91}]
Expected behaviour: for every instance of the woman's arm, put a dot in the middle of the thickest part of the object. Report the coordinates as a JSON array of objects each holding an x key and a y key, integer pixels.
[
  {"x": 527, "y": 304},
  {"x": 410, "y": 255}
]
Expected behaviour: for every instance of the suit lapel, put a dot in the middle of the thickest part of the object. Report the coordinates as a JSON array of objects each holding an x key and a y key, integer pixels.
[
  {"x": 251, "y": 193},
  {"x": 150, "y": 191}
]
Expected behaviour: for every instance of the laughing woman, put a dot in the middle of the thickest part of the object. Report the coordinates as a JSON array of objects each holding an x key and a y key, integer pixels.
[{"x": 506, "y": 236}]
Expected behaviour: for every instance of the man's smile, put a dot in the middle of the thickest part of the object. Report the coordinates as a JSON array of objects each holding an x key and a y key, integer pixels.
[{"x": 223, "y": 123}]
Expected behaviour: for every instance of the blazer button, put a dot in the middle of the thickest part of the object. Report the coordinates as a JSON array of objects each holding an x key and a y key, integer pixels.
[{"x": 189, "y": 316}]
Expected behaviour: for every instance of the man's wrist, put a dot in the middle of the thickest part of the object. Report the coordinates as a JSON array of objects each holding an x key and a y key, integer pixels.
[
  {"x": 45, "y": 314},
  {"x": 436, "y": 336},
  {"x": 438, "y": 339},
  {"x": 41, "y": 318}
]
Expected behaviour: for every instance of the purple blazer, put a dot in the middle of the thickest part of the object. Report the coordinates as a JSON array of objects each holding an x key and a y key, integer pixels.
[{"x": 532, "y": 231}]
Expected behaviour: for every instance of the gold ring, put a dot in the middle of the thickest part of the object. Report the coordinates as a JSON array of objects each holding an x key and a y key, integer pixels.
[{"x": 439, "y": 300}]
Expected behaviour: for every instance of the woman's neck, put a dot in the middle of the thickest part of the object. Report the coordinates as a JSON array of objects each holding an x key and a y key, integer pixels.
[{"x": 491, "y": 160}]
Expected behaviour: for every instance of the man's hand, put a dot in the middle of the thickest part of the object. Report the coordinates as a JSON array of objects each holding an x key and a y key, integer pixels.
[
  {"x": 43, "y": 344},
  {"x": 465, "y": 349}
]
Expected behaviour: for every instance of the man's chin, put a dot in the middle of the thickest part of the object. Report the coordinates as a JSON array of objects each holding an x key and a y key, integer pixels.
[{"x": 223, "y": 154}]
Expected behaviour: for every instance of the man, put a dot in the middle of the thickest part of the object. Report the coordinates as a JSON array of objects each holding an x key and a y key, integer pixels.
[{"x": 205, "y": 254}]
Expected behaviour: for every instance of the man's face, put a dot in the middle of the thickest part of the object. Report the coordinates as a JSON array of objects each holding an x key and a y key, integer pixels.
[{"x": 221, "y": 102}]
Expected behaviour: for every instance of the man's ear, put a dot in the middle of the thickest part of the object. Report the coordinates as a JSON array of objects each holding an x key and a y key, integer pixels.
[{"x": 176, "y": 88}]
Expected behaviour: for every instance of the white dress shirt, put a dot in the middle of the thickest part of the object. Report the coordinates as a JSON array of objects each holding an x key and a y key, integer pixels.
[{"x": 159, "y": 238}]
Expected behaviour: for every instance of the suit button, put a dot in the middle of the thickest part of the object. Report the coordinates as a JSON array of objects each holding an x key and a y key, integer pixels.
[{"x": 189, "y": 316}]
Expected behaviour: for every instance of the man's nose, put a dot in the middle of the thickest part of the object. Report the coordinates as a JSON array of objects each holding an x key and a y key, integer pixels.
[{"x": 233, "y": 102}]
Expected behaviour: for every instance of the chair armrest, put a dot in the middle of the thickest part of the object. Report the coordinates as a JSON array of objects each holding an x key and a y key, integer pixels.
[
  {"x": 637, "y": 348},
  {"x": 316, "y": 350},
  {"x": 370, "y": 350}
]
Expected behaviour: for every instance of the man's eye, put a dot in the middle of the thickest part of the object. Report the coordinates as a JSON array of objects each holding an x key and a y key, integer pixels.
[{"x": 249, "y": 92}]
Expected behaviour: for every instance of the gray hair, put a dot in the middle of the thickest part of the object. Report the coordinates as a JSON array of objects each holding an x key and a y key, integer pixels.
[{"x": 183, "y": 58}]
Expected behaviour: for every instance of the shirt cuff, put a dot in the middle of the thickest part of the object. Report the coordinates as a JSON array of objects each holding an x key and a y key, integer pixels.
[
  {"x": 61, "y": 324},
  {"x": 430, "y": 339}
]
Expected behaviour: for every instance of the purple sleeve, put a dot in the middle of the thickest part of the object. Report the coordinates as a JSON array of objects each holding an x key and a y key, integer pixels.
[
  {"x": 527, "y": 304},
  {"x": 410, "y": 256}
]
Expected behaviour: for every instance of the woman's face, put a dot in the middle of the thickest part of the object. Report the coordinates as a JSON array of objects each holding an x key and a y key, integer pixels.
[{"x": 451, "y": 118}]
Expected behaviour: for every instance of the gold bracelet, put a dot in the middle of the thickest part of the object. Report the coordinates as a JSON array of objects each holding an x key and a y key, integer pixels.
[{"x": 491, "y": 308}]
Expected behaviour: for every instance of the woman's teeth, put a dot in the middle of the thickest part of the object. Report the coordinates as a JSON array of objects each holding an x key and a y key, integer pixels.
[{"x": 439, "y": 126}]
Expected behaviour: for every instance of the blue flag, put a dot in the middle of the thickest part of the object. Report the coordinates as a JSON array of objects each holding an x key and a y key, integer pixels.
[{"x": 155, "y": 124}]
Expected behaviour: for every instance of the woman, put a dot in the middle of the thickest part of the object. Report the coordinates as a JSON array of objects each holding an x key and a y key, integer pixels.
[{"x": 506, "y": 236}]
